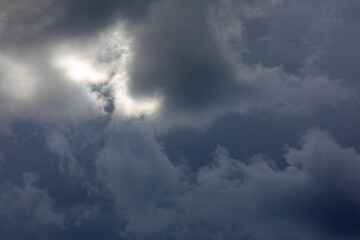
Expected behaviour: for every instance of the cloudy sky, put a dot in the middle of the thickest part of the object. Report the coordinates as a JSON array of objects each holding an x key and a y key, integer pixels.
[{"x": 179, "y": 119}]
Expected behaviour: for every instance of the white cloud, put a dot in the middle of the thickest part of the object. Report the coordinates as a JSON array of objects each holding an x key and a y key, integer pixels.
[{"x": 34, "y": 90}]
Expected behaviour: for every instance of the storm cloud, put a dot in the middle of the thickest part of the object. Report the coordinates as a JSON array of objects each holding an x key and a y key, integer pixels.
[{"x": 168, "y": 119}]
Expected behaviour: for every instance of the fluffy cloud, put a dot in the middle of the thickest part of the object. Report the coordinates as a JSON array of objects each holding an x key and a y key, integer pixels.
[
  {"x": 313, "y": 197},
  {"x": 140, "y": 176}
]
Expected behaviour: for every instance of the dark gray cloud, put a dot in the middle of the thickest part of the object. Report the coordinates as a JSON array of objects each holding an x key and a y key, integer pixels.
[
  {"x": 179, "y": 56},
  {"x": 196, "y": 64},
  {"x": 179, "y": 119},
  {"x": 295, "y": 35},
  {"x": 312, "y": 193},
  {"x": 43, "y": 19},
  {"x": 312, "y": 198},
  {"x": 20, "y": 20},
  {"x": 140, "y": 176},
  {"x": 27, "y": 207},
  {"x": 82, "y": 17}
]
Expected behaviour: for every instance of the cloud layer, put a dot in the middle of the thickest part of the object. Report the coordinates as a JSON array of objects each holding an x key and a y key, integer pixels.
[{"x": 170, "y": 119}]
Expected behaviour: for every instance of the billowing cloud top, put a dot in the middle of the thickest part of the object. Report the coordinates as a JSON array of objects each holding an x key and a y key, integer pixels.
[{"x": 168, "y": 119}]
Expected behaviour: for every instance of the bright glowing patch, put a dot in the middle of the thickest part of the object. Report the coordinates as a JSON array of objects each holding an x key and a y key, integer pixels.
[
  {"x": 106, "y": 60},
  {"x": 116, "y": 45},
  {"x": 80, "y": 70},
  {"x": 17, "y": 80},
  {"x": 130, "y": 107}
]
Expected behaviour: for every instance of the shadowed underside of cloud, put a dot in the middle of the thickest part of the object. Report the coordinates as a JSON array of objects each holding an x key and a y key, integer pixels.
[{"x": 314, "y": 197}]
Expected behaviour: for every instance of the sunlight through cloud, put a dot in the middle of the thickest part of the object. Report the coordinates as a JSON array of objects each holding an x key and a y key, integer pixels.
[
  {"x": 105, "y": 61},
  {"x": 80, "y": 70}
]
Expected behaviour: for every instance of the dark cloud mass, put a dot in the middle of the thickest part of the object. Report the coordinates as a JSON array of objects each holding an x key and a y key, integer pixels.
[
  {"x": 168, "y": 119},
  {"x": 179, "y": 57}
]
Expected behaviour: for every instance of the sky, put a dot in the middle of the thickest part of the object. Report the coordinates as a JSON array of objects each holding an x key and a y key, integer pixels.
[{"x": 179, "y": 119}]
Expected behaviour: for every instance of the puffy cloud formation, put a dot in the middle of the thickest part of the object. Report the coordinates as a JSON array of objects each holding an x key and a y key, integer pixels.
[
  {"x": 314, "y": 197},
  {"x": 179, "y": 119}
]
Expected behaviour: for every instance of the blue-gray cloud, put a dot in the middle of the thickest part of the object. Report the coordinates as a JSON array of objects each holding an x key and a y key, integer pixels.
[{"x": 179, "y": 119}]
